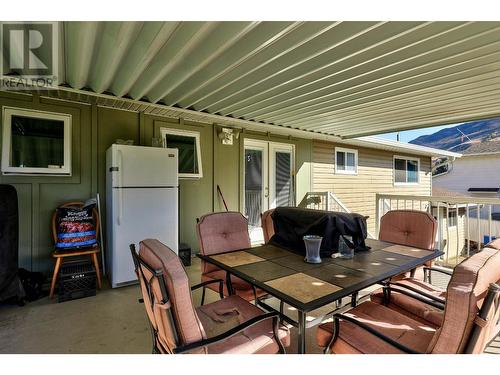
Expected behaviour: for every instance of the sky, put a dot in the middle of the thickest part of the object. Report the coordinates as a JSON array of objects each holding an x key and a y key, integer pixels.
[{"x": 409, "y": 135}]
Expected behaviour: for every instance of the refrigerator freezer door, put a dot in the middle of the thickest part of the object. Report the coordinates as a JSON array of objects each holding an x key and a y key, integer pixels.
[
  {"x": 140, "y": 213},
  {"x": 138, "y": 166}
]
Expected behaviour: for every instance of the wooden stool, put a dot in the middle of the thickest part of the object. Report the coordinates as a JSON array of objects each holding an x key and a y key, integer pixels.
[{"x": 61, "y": 254}]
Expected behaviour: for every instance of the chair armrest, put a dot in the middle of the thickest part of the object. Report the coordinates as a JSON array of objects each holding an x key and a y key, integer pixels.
[
  {"x": 205, "y": 283},
  {"x": 233, "y": 331},
  {"x": 427, "y": 297},
  {"x": 374, "y": 332},
  {"x": 442, "y": 270}
]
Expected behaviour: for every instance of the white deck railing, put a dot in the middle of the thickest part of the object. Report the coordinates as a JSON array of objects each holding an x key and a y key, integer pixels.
[
  {"x": 324, "y": 200},
  {"x": 461, "y": 229}
]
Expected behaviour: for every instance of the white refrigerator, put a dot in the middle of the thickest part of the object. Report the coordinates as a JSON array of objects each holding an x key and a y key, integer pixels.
[{"x": 141, "y": 202}]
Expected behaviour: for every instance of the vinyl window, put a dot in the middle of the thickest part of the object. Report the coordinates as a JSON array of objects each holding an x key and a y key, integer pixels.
[
  {"x": 452, "y": 219},
  {"x": 346, "y": 161},
  {"x": 406, "y": 170}
]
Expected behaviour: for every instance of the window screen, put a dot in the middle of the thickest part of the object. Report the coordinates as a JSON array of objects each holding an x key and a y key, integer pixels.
[
  {"x": 351, "y": 162},
  {"x": 340, "y": 161},
  {"x": 253, "y": 186},
  {"x": 283, "y": 191},
  {"x": 412, "y": 167}
]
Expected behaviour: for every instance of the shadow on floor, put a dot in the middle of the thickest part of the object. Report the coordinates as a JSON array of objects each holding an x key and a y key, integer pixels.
[{"x": 111, "y": 322}]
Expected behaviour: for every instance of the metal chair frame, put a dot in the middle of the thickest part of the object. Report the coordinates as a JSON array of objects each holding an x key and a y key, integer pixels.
[
  {"x": 180, "y": 348},
  {"x": 491, "y": 301}
]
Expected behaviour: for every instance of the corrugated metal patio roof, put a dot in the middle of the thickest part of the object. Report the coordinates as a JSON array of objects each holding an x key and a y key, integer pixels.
[{"x": 346, "y": 79}]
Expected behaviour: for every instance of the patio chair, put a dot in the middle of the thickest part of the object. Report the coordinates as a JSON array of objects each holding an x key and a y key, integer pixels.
[
  {"x": 266, "y": 222},
  {"x": 230, "y": 325},
  {"x": 221, "y": 232},
  {"x": 411, "y": 228},
  {"x": 471, "y": 318},
  {"x": 416, "y": 298},
  {"x": 416, "y": 229}
]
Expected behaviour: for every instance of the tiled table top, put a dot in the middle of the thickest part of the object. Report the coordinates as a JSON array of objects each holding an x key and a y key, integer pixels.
[{"x": 306, "y": 286}]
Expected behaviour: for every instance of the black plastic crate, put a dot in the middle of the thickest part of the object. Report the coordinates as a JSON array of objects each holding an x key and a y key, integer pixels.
[{"x": 76, "y": 280}]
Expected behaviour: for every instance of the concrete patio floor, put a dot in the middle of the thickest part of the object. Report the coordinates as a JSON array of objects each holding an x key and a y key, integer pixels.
[{"x": 111, "y": 322}]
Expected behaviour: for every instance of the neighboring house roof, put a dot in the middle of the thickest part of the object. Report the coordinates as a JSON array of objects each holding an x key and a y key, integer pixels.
[
  {"x": 395, "y": 146},
  {"x": 482, "y": 148},
  {"x": 442, "y": 192},
  {"x": 484, "y": 189}
]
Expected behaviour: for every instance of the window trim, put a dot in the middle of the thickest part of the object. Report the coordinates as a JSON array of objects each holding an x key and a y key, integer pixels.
[
  {"x": 186, "y": 133},
  {"x": 7, "y": 113},
  {"x": 345, "y": 151},
  {"x": 406, "y": 158}
]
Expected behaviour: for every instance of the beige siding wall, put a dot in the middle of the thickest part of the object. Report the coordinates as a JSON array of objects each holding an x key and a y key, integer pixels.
[
  {"x": 375, "y": 175},
  {"x": 453, "y": 237}
]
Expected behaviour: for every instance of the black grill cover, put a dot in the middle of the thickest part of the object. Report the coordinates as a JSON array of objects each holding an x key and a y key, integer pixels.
[
  {"x": 10, "y": 285},
  {"x": 292, "y": 223}
]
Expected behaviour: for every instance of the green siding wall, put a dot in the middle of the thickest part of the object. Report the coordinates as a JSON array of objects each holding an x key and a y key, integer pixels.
[{"x": 94, "y": 130}]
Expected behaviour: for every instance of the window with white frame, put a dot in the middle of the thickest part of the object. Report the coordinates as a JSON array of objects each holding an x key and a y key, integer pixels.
[
  {"x": 406, "y": 170},
  {"x": 188, "y": 144},
  {"x": 346, "y": 161},
  {"x": 452, "y": 218},
  {"x": 35, "y": 142}
]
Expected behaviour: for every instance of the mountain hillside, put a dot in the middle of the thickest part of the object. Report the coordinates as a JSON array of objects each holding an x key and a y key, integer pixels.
[{"x": 453, "y": 140}]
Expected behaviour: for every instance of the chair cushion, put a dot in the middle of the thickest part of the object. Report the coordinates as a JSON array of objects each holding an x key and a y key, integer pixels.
[
  {"x": 409, "y": 227},
  {"x": 160, "y": 257},
  {"x": 353, "y": 339},
  {"x": 412, "y": 307},
  {"x": 267, "y": 225},
  {"x": 256, "y": 339},
  {"x": 495, "y": 244},
  {"x": 240, "y": 287},
  {"x": 221, "y": 232}
]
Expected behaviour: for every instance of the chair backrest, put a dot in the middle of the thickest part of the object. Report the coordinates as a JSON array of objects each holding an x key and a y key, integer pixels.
[
  {"x": 409, "y": 227},
  {"x": 463, "y": 329},
  {"x": 220, "y": 232},
  {"x": 167, "y": 296},
  {"x": 266, "y": 221},
  {"x": 95, "y": 214}
]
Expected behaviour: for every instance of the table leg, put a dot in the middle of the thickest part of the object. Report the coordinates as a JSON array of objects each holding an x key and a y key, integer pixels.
[
  {"x": 301, "y": 333},
  {"x": 354, "y": 299},
  {"x": 412, "y": 272},
  {"x": 229, "y": 285}
]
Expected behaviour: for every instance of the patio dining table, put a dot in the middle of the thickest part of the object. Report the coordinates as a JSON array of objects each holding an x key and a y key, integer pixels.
[{"x": 285, "y": 275}]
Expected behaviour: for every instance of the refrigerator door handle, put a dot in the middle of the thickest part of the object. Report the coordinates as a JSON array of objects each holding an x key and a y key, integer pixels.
[{"x": 120, "y": 190}]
